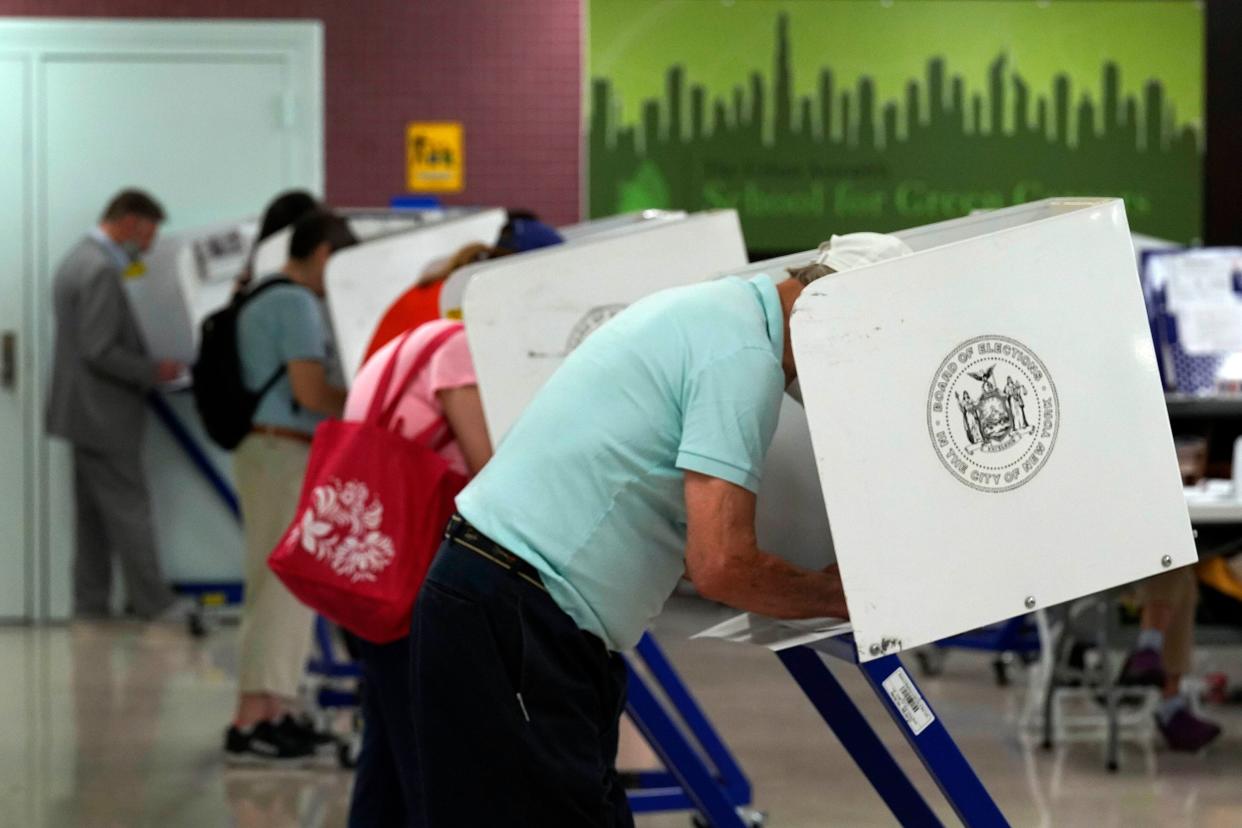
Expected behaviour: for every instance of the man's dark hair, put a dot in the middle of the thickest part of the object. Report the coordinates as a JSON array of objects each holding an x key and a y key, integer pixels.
[
  {"x": 313, "y": 229},
  {"x": 284, "y": 210},
  {"x": 133, "y": 203}
]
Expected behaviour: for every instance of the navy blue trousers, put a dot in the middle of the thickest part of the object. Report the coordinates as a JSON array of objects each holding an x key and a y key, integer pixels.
[
  {"x": 386, "y": 781},
  {"x": 516, "y": 710}
]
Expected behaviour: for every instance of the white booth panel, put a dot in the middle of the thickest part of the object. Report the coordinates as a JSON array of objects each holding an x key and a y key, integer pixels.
[
  {"x": 989, "y": 424},
  {"x": 362, "y": 282},
  {"x": 608, "y": 224},
  {"x": 524, "y": 314},
  {"x": 190, "y": 274},
  {"x": 272, "y": 253},
  {"x": 454, "y": 292},
  {"x": 790, "y": 518},
  {"x": 367, "y": 223}
]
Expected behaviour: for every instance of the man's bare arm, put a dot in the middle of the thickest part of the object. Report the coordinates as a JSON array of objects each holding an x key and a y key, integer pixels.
[
  {"x": 312, "y": 390},
  {"x": 724, "y": 561}
]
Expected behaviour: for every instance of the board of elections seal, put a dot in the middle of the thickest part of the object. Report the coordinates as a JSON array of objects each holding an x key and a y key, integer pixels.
[
  {"x": 993, "y": 413},
  {"x": 590, "y": 322}
]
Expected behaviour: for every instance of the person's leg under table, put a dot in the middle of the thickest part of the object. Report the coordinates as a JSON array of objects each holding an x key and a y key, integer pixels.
[
  {"x": 385, "y": 782},
  {"x": 515, "y": 708},
  {"x": 92, "y": 562},
  {"x": 125, "y": 507},
  {"x": 1166, "y": 640},
  {"x": 274, "y": 641}
]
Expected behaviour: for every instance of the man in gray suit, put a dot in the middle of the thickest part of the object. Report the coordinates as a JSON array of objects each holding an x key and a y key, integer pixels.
[{"x": 100, "y": 379}]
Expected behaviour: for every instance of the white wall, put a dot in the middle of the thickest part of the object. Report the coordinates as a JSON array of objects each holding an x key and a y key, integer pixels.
[{"x": 17, "y": 429}]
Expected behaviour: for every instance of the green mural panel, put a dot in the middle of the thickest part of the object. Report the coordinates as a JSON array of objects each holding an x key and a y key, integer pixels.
[{"x": 828, "y": 116}]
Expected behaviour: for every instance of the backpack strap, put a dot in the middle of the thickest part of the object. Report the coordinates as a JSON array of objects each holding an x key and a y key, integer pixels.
[
  {"x": 253, "y": 291},
  {"x": 380, "y": 413},
  {"x": 244, "y": 297},
  {"x": 270, "y": 384}
]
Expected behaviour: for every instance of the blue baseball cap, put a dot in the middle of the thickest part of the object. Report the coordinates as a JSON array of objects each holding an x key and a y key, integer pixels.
[{"x": 521, "y": 235}]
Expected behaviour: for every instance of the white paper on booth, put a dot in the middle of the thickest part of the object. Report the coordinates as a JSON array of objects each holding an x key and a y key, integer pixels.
[
  {"x": 775, "y": 633},
  {"x": 1199, "y": 279},
  {"x": 1210, "y": 327}
]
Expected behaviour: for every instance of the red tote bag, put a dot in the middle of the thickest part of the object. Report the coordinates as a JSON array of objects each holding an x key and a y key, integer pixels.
[{"x": 372, "y": 515}]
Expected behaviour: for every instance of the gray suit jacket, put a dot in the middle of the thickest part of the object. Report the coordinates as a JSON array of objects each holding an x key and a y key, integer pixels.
[{"x": 102, "y": 372}]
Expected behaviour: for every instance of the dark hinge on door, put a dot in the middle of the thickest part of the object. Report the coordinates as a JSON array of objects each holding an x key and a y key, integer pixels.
[{"x": 8, "y": 359}]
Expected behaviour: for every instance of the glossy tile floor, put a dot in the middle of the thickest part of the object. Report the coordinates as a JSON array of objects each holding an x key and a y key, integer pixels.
[{"x": 118, "y": 725}]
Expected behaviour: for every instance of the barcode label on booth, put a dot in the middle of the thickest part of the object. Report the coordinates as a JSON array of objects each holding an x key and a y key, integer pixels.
[{"x": 907, "y": 699}]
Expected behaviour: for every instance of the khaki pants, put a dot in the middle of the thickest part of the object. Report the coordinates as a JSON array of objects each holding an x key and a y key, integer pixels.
[
  {"x": 1179, "y": 590},
  {"x": 276, "y": 628}
]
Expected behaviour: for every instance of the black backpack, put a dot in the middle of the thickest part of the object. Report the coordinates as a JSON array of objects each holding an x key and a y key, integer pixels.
[{"x": 225, "y": 405}]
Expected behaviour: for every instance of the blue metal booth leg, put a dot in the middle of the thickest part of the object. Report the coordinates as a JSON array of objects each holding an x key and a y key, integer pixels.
[
  {"x": 702, "y": 774},
  {"x": 857, "y": 737},
  {"x": 916, "y": 720}
]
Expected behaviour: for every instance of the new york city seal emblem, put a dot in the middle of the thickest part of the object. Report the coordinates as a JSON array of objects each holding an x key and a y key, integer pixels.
[{"x": 993, "y": 413}]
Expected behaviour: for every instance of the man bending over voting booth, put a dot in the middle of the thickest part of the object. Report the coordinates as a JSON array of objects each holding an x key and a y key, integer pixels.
[
  {"x": 636, "y": 463},
  {"x": 984, "y": 408}
]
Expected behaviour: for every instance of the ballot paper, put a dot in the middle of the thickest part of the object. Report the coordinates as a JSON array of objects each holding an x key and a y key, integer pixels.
[
  {"x": 1197, "y": 276},
  {"x": 1210, "y": 327},
  {"x": 774, "y": 633},
  {"x": 1199, "y": 279}
]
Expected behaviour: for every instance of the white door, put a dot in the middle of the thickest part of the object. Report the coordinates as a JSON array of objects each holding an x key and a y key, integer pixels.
[
  {"x": 15, "y": 384},
  {"x": 211, "y": 118}
]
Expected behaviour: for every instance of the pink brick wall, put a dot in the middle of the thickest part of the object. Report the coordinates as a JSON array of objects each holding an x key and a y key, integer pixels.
[{"x": 510, "y": 70}]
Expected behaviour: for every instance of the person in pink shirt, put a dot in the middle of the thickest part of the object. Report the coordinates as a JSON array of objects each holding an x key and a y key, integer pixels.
[{"x": 385, "y": 787}]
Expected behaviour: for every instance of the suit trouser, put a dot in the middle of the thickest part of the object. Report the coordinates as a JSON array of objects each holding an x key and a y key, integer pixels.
[
  {"x": 114, "y": 518},
  {"x": 1179, "y": 590},
  {"x": 276, "y": 628}
]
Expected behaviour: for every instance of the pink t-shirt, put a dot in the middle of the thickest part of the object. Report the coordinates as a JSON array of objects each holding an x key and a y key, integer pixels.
[{"x": 450, "y": 367}]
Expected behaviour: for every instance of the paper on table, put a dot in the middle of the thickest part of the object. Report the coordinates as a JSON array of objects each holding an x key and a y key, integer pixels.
[
  {"x": 1210, "y": 327},
  {"x": 1199, "y": 279},
  {"x": 774, "y": 633},
  {"x": 183, "y": 381}
]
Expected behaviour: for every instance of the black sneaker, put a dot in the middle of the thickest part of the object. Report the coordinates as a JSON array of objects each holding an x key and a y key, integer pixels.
[
  {"x": 302, "y": 728},
  {"x": 265, "y": 744}
]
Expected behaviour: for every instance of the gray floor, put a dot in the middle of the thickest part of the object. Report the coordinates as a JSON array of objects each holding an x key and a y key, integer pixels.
[{"x": 119, "y": 725}]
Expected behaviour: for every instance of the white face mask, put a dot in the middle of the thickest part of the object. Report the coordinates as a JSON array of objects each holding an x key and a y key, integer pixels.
[{"x": 794, "y": 389}]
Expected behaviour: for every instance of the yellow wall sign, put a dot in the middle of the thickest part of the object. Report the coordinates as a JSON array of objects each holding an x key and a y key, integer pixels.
[{"x": 435, "y": 157}]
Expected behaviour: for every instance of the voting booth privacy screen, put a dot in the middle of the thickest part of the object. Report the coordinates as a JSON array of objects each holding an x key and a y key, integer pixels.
[
  {"x": 988, "y": 423},
  {"x": 454, "y": 292},
  {"x": 364, "y": 281},
  {"x": 525, "y": 314}
]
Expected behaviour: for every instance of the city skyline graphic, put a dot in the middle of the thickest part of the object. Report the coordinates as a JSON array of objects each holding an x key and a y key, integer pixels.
[{"x": 799, "y": 167}]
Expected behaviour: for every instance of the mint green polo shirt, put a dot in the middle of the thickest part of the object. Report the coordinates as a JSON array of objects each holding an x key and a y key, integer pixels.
[{"x": 588, "y": 484}]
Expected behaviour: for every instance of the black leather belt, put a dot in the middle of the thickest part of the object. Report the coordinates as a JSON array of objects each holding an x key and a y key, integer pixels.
[{"x": 466, "y": 536}]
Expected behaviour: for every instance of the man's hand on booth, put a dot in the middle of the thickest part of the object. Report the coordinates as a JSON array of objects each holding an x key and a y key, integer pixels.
[{"x": 725, "y": 563}]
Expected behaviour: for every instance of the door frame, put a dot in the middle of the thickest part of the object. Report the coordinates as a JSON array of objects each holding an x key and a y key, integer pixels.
[{"x": 39, "y": 42}]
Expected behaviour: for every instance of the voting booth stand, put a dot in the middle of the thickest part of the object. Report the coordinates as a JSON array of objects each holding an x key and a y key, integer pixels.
[
  {"x": 983, "y": 414},
  {"x": 701, "y": 773}
]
